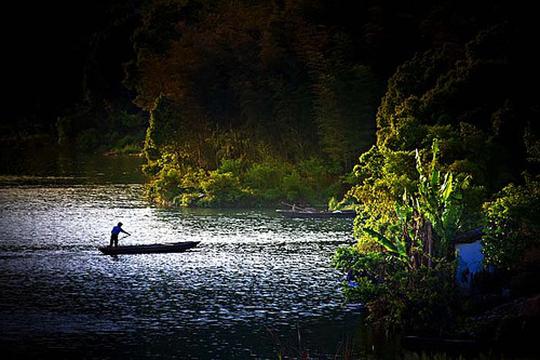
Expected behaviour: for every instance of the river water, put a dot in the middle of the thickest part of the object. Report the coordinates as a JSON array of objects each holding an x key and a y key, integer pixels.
[{"x": 257, "y": 286}]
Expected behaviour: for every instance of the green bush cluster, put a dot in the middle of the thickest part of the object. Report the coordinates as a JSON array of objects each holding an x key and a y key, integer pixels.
[
  {"x": 402, "y": 285},
  {"x": 485, "y": 131},
  {"x": 513, "y": 225},
  {"x": 421, "y": 300},
  {"x": 402, "y": 266},
  {"x": 382, "y": 178},
  {"x": 238, "y": 183}
]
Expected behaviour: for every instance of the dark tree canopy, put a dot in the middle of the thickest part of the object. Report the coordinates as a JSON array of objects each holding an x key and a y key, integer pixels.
[{"x": 285, "y": 80}]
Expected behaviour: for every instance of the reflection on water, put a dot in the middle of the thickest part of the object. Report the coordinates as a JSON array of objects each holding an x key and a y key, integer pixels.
[{"x": 253, "y": 275}]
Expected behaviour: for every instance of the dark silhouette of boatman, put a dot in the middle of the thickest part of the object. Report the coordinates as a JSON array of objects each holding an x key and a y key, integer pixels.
[{"x": 115, "y": 232}]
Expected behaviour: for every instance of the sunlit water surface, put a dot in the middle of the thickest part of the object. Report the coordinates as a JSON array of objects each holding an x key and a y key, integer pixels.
[{"x": 256, "y": 286}]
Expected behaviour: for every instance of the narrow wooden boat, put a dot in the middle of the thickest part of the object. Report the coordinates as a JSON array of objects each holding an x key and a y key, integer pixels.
[
  {"x": 149, "y": 249},
  {"x": 317, "y": 214}
]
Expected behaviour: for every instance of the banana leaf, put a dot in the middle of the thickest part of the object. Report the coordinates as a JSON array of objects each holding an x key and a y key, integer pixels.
[{"x": 397, "y": 249}]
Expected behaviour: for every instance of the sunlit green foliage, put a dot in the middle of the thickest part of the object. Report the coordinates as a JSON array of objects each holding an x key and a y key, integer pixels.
[
  {"x": 513, "y": 225},
  {"x": 419, "y": 226},
  {"x": 439, "y": 202},
  {"x": 261, "y": 82},
  {"x": 222, "y": 189},
  {"x": 410, "y": 247},
  {"x": 368, "y": 269},
  {"x": 410, "y": 213},
  {"x": 239, "y": 183},
  {"x": 483, "y": 130},
  {"x": 266, "y": 80}
]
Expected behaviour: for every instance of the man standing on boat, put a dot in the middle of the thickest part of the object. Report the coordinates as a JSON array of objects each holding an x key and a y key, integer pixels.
[{"x": 115, "y": 232}]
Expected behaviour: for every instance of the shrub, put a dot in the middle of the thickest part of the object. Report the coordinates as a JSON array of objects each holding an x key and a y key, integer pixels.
[
  {"x": 131, "y": 149},
  {"x": 367, "y": 269},
  {"x": 264, "y": 181},
  {"x": 294, "y": 187},
  {"x": 412, "y": 227},
  {"x": 420, "y": 299},
  {"x": 233, "y": 166},
  {"x": 186, "y": 199},
  {"x": 402, "y": 266},
  {"x": 222, "y": 189},
  {"x": 238, "y": 183},
  {"x": 266, "y": 175},
  {"x": 151, "y": 168},
  {"x": 512, "y": 224}
]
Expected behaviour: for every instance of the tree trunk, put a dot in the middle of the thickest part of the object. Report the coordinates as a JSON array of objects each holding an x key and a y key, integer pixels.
[{"x": 429, "y": 241}]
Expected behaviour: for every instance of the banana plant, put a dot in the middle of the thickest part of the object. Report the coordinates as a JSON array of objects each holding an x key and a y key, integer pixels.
[
  {"x": 400, "y": 244},
  {"x": 427, "y": 221},
  {"x": 394, "y": 246},
  {"x": 439, "y": 201}
]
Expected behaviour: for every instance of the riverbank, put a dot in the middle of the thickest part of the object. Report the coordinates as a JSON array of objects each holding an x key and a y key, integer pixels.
[{"x": 238, "y": 183}]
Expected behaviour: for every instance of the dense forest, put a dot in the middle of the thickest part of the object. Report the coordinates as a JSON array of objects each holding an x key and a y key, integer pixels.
[
  {"x": 247, "y": 103},
  {"x": 253, "y": 102}
]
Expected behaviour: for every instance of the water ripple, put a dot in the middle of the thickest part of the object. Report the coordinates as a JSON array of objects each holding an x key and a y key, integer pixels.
[{"x": 253, "y": 270}]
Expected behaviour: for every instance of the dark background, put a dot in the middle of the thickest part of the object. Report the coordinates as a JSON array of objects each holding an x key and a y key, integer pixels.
[{"x": 54, "y": 50}]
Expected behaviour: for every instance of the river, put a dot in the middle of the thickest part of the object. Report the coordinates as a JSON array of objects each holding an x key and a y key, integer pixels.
[{"x": 257, "y": 286}]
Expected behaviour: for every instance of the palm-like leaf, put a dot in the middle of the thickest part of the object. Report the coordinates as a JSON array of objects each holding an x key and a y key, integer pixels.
[{"x": 395, "y": 247}]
